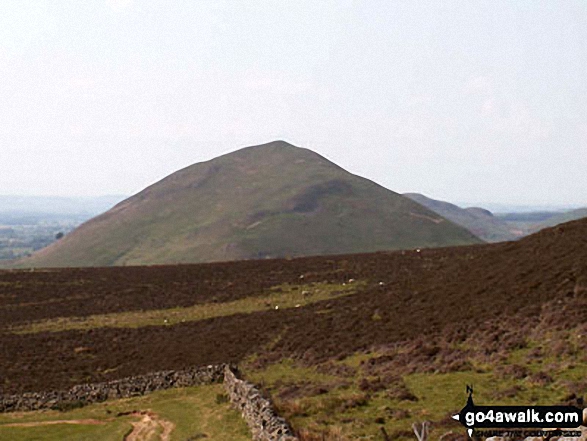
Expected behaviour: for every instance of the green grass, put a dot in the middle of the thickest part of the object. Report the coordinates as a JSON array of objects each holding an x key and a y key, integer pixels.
[
  {"x": 338, "y": 409},
  {"x": 288, "y": 371},
  {"x": 115, "y": 430},
  {"x": 337, "y": 406},
  {"x": 194, "y": 411},
  {"x": 281, "y": 297}
]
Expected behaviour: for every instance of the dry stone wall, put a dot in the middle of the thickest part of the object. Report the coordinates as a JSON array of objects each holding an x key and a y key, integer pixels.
[
  {"x": 256, "y": 410},
  {"x": 96, "y": 392}
]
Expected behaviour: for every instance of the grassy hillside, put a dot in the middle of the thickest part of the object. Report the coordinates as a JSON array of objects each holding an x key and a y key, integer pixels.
[
  {"x": 345, "y": 345},
  {"x": 265, "y": 201},
  {"x": 478, "y": 221}
]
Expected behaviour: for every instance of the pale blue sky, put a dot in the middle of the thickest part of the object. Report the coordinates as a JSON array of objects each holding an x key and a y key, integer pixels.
[{"x": 481, "y": 101}]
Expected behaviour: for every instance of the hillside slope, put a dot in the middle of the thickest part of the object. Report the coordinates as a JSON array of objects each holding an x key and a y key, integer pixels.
[
  {"x": 478, "y": 221},
  {"x": 264, "y": 201},
  {"x": 408, "y": 332},
  {"x": 507, "y": 292}
]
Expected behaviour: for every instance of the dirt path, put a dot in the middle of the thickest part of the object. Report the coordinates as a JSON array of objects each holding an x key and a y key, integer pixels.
[
  {"x": 147, "y": 428},
  {"x": 51, "y": 423},
  {"x": 150, "y": 426}
]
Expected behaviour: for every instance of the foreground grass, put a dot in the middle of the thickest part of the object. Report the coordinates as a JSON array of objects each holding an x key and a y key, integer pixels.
[
  {"x": 338, "y": 400},
  {"x": 196, "y": 413},
  {"x": 281, "y": 297}
]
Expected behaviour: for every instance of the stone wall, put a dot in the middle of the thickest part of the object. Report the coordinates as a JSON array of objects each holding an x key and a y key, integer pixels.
[
  {"x": 256, "y": 410},
  {"x": 96, "y": 392}
]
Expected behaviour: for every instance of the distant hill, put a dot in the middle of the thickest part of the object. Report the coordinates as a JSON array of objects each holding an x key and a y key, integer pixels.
[
  {"x": 503, "y": 208},
  {"x": 559, "y": 218},
  {"x": 258, "y": 202},
  {"x": 498, "y": 227},
  {"x": 479, "y": 221},
  {"x": 534, "y": 221}
]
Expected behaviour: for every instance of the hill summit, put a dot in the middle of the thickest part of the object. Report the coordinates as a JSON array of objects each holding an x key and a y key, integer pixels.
[{"x": 270, "y": 200}]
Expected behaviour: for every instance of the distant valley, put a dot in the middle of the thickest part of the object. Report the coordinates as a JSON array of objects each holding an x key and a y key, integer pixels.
[
  {"x": 56, "y": 206},
  {"x": 30, "y": 223}
]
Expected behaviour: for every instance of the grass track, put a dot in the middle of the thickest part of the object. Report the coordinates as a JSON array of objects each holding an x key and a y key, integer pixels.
[
  {"x": 195, "y": 411},
  {"x": 282, "y": 297}
]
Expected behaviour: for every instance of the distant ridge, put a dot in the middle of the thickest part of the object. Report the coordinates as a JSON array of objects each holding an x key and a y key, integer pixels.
[
  {"x": 270, "y": 200},
  {"x": 501, "y": 227},
  {"x": 567, "y": 216},
  {"x": 479, "y": 221}
]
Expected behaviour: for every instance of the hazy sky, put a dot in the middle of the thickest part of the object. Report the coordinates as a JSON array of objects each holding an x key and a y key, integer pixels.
[{"x": 460, "y": 100}]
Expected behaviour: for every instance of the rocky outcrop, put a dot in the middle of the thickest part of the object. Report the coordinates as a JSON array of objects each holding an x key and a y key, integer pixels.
[{"x": 256, "y": 410}]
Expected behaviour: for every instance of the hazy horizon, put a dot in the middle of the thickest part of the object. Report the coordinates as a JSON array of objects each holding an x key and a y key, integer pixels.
[
  {"x": 105, "y": 199},
  {"x": 460, "y": 101}
]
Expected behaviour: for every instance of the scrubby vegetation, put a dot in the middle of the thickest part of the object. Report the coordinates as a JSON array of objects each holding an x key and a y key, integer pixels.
[
  {"x": 355, "y": 397},
  {"x": 395, "y": 339}
]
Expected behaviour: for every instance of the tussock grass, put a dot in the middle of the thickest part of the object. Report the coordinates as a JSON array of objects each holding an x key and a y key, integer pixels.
[{"x": 359, "y": 403}]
